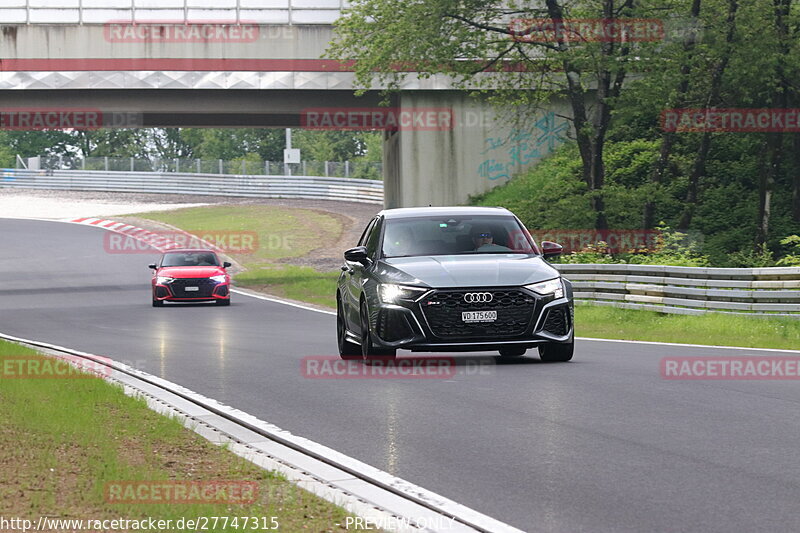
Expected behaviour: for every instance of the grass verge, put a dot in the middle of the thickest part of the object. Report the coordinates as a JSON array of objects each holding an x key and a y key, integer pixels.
[
  {"x": 298, "y": 283},
  {"x": 713, "y": 329},
  {"x": 309, "y": 285},
  {"x": 282, "y": 232},
  {"x": 63, "y": 441}
]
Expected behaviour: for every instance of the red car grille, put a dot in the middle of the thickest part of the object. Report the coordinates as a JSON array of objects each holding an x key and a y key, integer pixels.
[{"x": 205, "y": 287}]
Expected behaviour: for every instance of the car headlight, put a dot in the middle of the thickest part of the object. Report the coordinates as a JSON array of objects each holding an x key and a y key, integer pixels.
[
  {"x": 162, "y": 280},
  {"x": 218, "y": 279},
  {"x": 390, "y": 293},
  {"x": 546, "y": 288}
]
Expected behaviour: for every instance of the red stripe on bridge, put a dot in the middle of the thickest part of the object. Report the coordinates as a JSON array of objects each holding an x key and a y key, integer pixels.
[{"x": 187, "y": 64}]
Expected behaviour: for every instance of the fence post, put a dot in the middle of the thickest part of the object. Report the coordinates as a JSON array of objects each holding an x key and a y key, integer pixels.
[
  {"x": 220, "y": 166},
  {"x": 244, "y": 171},
  {"x": 132, "y": 167},
  {"x": 326, "y": 169},
  {"x": 177, "y": 165},
  {"x": 266, "y": 168},
  {"x": 347, "y": 169},
  {"x": 198, "y": 165},
  {"x": 105, "y": 161},
  {"x": 304, "y": 168},
  {"x": 83, "y": 163}
]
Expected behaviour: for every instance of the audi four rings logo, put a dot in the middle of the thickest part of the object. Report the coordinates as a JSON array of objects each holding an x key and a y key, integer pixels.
[{"x": 478, "y": 297}]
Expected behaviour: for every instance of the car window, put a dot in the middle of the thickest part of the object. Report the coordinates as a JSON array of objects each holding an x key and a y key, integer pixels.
[
  {"x": 456, "y": 235},
  {"x": 363, "y": 240},
  {"x": 373, "y": 239}
]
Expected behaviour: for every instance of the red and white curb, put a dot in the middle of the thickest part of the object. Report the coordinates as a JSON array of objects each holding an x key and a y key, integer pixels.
[{"x": 156, "y": 240}]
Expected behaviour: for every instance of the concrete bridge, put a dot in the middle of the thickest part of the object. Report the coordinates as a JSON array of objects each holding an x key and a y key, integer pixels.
[{"x": 253, "y": 63}]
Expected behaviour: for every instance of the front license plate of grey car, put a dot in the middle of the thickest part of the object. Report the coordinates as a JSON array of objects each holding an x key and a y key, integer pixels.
[
  {"x": 187, "y": 289},
  {"x": 478, "y": 316}
]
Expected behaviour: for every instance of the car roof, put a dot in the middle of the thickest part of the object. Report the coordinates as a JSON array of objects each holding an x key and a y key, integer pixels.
[{"x": 408, "y": 212}]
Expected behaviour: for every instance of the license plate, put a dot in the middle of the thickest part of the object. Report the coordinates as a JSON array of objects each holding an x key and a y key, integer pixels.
[
  {"x": 478, "y": 316},
  {"x": 189, "y": 289}
]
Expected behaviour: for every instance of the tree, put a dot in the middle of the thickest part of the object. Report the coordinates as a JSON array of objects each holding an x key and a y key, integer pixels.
[{"x": 499, "y": 47}]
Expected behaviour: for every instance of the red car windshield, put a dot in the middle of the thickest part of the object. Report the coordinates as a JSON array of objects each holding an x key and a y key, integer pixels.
[{"x": 184, "y": 259}]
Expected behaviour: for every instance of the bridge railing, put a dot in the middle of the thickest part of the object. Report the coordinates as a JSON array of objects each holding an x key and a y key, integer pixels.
[
  {"x": 309, "y": 187},
  {"x": 688, "y": 290},
  {"x": 173, "y": 11}
]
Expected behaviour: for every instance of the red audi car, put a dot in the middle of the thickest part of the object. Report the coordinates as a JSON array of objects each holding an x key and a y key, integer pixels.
[{"x": 190, "y": 275}]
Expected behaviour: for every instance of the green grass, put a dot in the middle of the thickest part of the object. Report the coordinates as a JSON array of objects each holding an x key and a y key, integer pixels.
[
  {"x": 298, "y": 283},
  {"x": 62, "y": 440},
  {"x": 282, "y": 232},
  {"x": 719, "y": 329}
]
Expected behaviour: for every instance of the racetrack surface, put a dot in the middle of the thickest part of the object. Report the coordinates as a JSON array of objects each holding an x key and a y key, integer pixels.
[{"x": 598, "y": 444}]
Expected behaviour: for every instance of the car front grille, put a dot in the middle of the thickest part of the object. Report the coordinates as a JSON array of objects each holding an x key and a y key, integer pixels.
[
  {"x": 443, "y": 311},
  {"x": 205, "y": 287},
  {"x": 556, "y": 321}
]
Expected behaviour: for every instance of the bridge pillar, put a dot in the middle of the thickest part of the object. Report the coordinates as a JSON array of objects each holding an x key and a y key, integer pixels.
[{"x": 432, "y": 163}]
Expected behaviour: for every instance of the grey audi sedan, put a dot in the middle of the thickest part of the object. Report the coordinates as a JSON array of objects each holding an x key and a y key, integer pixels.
[{"x": 452, "y": 279}]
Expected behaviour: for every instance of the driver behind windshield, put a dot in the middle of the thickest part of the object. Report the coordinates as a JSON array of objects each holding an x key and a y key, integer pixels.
[
  {"x": 399, "y": 241},
  {"x": 483, "y": 239}
]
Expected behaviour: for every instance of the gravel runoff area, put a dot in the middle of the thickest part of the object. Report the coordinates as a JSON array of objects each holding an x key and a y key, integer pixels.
[{"x": 58, "y": 205}]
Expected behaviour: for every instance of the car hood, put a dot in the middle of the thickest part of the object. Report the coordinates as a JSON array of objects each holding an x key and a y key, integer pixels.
[
  {"x": 473, "y": 270},
  {"x": 191, "y": 272}
]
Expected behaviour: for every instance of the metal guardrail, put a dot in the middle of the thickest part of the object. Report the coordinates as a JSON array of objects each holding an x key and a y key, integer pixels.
[
  {"x": 173, "y": 11},
  {"x": 688, "y": 290},
  {"x": 308, "y": 187}
]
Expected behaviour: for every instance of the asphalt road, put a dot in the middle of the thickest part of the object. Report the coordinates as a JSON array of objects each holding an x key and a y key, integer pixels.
[{"x": 598, "y": 444}]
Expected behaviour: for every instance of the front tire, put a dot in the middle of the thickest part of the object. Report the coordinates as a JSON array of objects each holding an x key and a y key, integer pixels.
[
  {"x": 347, "y": 350},
  {"x": 368, "y": 351},
  {"x": 557, "y": 352}
]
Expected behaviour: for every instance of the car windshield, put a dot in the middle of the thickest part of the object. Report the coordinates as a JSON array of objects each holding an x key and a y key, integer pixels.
[
  {"x": 456, "y": 235},
  {"x": 184, "y": 259}
]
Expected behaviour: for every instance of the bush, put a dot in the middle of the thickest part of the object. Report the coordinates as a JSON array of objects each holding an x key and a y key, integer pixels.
[
  {"x": 793, "y": 257},
  {"x": 673, "y": 248}
]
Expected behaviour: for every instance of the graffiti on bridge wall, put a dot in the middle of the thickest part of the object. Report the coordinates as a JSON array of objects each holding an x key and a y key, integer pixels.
[{"x": 503, "y": 156}]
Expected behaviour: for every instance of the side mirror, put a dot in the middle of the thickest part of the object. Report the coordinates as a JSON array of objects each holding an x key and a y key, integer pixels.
[
  {"x": 225, "y": 264},
  {"x": 357, "y": 255},
  {"x": 551, "y": 249},
  {"x": 152, "y": 265}
]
